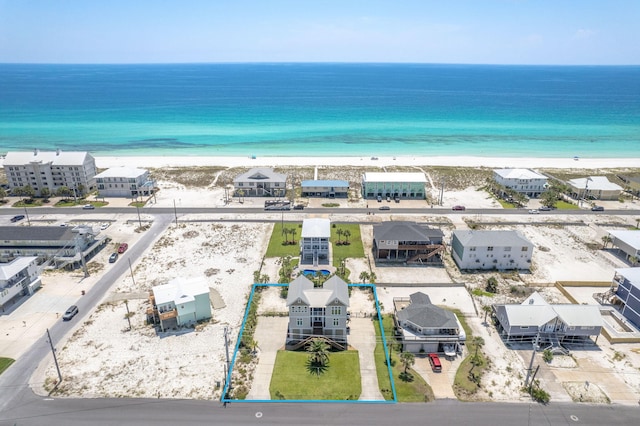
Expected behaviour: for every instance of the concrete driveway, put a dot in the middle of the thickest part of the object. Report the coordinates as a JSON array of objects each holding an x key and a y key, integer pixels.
[
  {"x": 363, "y": 338},
  {"x": 441, "y": 383},
  {"x": 271, "y": 334}
]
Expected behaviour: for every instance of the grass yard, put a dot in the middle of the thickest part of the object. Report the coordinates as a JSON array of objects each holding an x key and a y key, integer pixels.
[
  {"x": 277, "y": 246},
  {"x": 353, "y": 250},
  {"x": 463, "y": 385},
  {"x": 563, "y": 205},
  {"x": 292, "y": 380},
  {"x": 5, "y": 363},
  {"x": 417, "y": 390}
]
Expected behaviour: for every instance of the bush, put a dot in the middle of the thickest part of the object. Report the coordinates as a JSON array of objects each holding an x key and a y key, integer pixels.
[
  {"x": 492, "y": 285},
  {"x": 547, "y": 356}
]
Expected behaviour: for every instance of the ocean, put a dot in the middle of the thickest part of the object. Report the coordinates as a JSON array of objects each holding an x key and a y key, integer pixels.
[{"x": 322, "y": 110}]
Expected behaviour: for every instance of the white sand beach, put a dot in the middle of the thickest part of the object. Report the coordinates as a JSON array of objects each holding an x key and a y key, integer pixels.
[{"x": 462, "y": 161}]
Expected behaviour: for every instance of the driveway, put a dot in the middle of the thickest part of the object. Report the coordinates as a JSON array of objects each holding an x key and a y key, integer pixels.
[
  {"x": 363, "y": 338},
  {"x": 271, "y": 334},
  {"x": 441, "y": 383}
]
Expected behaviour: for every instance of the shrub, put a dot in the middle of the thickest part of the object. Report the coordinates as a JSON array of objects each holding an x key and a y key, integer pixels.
[
  {"x": 492, "y": 285},
  {"x": 547, "y": 356}
]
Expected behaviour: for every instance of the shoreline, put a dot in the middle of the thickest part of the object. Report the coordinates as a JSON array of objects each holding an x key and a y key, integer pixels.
[{"x": 355, "y": 161}]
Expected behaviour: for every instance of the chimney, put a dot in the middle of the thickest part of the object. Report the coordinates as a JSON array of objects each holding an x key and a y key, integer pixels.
[{"x": 57, "y": 151}]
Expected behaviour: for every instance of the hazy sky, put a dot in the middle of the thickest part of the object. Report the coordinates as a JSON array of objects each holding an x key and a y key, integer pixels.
[{"x": 443, "y": 31}]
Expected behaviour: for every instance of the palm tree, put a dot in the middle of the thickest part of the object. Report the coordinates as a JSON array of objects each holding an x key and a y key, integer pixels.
[
  {"x": 372, "y": 277},
  {"x": 293, "y": 232},
  {"x": 318, "y": 352},
  {"x": 407, "y": 359},
  {"x": 346, "y": 234},
  {"x": 487, "y": 310},
  {"x": 364, "y": 276},
  {"x": 340, "y": 232},
  {"x": 633, "y": 260},
  {"x": 478, "y": 342},
  {"x": 605, "y": 241},
  {"x": 285, "y": 232}
]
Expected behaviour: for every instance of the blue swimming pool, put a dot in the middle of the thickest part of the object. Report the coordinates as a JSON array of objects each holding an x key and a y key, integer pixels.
[{"x": 314, "y": 272}]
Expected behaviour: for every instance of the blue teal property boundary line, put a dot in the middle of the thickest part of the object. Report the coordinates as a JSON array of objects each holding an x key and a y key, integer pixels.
[{"x": 237, "y": 348}]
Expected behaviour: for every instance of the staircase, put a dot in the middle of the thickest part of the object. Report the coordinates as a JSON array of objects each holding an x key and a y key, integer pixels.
[{"x": 308, "y": 340}]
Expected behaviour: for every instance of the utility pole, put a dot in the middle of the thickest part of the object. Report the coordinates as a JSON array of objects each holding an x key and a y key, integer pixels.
[
  {"x": 535, "y": 345},
  {"x": 55, "y": 359},
  {"x": 139, "y": 220},
  {"x": 27, "y": 214},
  {"x": 126, "y": 303},
  {"x": 83, "y": 262},
  {"x": 442, "y": 192},
  {"x": 175, "y": 212},
  {"x": 226, "y": 347},
  {"x": 131, "y": 270}
]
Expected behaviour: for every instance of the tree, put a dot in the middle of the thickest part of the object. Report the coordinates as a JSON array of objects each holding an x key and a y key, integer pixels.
[
  {"x": 285, "y": 232},
  {"x": 340, "y": 232},
  {"x": 24, "y": 191},
  {"x": 605, "y": 241},
  {"x": 45, "y": 192},
  {"x": 364, "y": 276},
  {"x": 346, "y": 234},
  {"x": 487, "y": 309},
  {"x": 3, "y": 194},
  {"x": 64, "y": 192},
  {"x": 372, "y": 277},
  {"x": 492, "y": 285},
  {"x": 633, "y": 260},
  {"x": 318, "y": 352},
  {"x": 407, "y": 359},
  {"x": 293, "y": 232},
  {"x": 478, "y": 342},
  {"x": 81, "y": 188}
]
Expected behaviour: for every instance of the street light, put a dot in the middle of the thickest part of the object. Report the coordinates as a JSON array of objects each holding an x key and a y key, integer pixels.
[{"x": 586, "y": 187}]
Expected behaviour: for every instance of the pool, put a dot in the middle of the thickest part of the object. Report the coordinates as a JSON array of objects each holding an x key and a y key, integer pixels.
[{"x": 314, "y": 272}]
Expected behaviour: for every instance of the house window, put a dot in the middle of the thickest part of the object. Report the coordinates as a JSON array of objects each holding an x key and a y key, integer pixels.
[
  {"x": 336, "y": 322},
  {"x": 525, "y": 248},
  {"x": 524, "y": 327},
  {"x": 490, "y": 248},
  {"x": 571, "y": 328},
  {"x": 472, "y": 249},
  {"x": 507, "y": 249},
  {"x": 336, "y": 310},
  {"x": 299, "y": 322}
]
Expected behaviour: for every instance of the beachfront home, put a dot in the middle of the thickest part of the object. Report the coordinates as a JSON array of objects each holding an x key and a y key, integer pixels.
[
  {"x": 394, "y": 185},
  {"x": 260, "y": 182},
  {"x": 425, "y": 327},
  {"x": 409, "y": 242},
  {"x": 594, "y": 188},
  {"x": 124, "y": 182},
  {"x": 18, "y": 278},
  {"x": 181, "y": 302},
  {"x": 62, "y": 245},
  {"x": 626, "y": 290},
  {"x": 314, "y": 241},
  {"x": 628, "y": 242},
  {"x": 632, "y": 184},
  {"x": 557, "y": 324},
  {"x": 320, "y": 311},
  {"x": 51, "y": 170},
  {"x": 325, "y": 188},
  {"x": 491, "y": 250},
  {"x": 524, "y": 181}
]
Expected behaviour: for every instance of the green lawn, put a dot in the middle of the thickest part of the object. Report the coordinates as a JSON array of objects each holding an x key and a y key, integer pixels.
[
  {"x": 292, "y": 380},
  {"x": 353, "y": 250},
  {"x": 277, "y": 246},
  {"x": 416, "y": 390},
  {"x": 5, "y": 363},
  {"x": 563, "y": 205},
  {"x": 463, "y": 386}
]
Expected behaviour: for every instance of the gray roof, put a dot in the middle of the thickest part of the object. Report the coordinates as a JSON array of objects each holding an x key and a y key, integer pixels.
[
  {"x": 405, "y": 231},
  {"x": 333, "y": 289},
  {"x": 261, "y": 174},
  {"x": 423, "y": 313},
  {"x": 38, "y": 233},
  {"x": 316, "y": 228},
  {"x": 63, "y": 158},
  {"x": 328, "y": 183},
  {"x": 629, "y": 237},
  {"x": 470, "y": 238}
]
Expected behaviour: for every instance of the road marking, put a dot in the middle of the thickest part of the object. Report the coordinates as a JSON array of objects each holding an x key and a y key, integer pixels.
[
  {"x": 259, "y": 414},
  {"x": 48, "y": 399},
  {"x": 574, "y": 418}
]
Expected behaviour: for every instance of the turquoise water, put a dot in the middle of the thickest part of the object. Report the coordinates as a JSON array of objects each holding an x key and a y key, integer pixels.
[{"x": 322, "y": 109}]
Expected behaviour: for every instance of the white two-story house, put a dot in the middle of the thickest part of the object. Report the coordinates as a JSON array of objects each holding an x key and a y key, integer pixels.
[
  {"x": 320, "y": 311},
  {"x": 124, "y": 182},
  {"x": 491, "y": 250},
  {"x": 314, "y": 240},
  {"x": 18, "y": 278},
  {"x": 524, "y": 181},
  {"x": 260, "y": 182}
]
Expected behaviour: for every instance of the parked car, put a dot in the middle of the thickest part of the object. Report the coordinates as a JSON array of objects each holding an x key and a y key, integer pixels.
[
  {"x": 113, "y": 257},
  {"x": 379, "y": 198},
  {"x": 88, "y": 207},
  {"x": 104, "y": 226},
  {"x": 70, "y": 313},
  {"x": 385, "y": 208},
  {"x": 534, "y": 211},
  {"x": 597, "y": 209},
  {"x": 17, "y": 218},
  {"x": 545, "y": 209},
  {"x": 458, "y": 208},
  {"x": 434, "y": 360},
  {"x": 298, "y": 207},
  {"x": 388, "y": 199},
  {"x": 123, "y": 247}
]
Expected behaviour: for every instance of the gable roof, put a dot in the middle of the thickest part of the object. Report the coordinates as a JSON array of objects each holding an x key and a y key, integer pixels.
[
  {"x": 423, "y": 313},
  {"x": 316, "y": 228},
  {"x": 180, "y": 290},
  {"x": 121, "y": 172},
  {"x": 9, "y": 270},
  {"x": 491, "y": 238},
  {"x": 334, "y": 289},
  {"x": 518, "y": 174},
  {"x": 600, "y": 183},
  {"x": 404, "y": 231},
  {"x": 261, "y": 174},
  {"x": 37, "y": 233}
]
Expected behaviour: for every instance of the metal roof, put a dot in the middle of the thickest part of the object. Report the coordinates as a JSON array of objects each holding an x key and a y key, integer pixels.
[
  {"x": 518, "y": 174},
  {"x": 180, "y": 290},
  {"x": 404, "y": 231},
  {"x": 631, "y": 274},
  {"x": 416, "y": 177},
  {"x": 329, "y": 183},
  {"x": 37, "y": 233},
  {"x": 628, "y": 237},
  {"x": 9, "y": 270},
  {"x": 600, "y": 183},
  {"x": 316, "y": 228},
  {"x": 121, "y": 172},
  {"x": 470, "y": 238},
  {"x": 62, "y": 158}
]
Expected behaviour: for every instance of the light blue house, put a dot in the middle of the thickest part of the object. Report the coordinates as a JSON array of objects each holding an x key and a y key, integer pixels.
[{"x": 181, "y": 302}]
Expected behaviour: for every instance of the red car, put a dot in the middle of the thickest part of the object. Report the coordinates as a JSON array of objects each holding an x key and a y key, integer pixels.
[
  {"x": 123, "y": 247},
  {"x": 458, "y": 208},
  {"x": 434, "y": 360}
]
